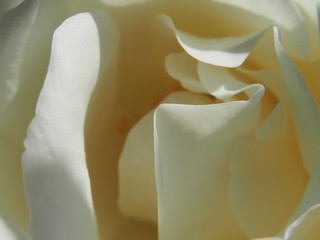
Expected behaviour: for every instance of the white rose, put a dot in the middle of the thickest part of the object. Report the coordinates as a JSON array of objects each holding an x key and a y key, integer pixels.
[{"x": 160, "y": 120}]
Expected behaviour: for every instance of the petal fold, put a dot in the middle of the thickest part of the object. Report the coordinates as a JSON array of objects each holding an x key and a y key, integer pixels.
[
  {"x": 305, "y": 112},
  {"x": 192, "y": 145},
  {"x": 225, "y": 52},
  {"x": 55, "y": 175},
  {"x": 10, "y": 232}
]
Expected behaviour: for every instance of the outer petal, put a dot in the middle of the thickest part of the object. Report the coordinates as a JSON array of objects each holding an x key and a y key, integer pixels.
[
  {"x": 10, "y": 232},
  {"x": 225, "y": 52},
  {"x": 54, "y": 165},
  {"x": 8, "y": 4},
  {"x": 304, "y": 108},
  {"x": 306, "y": 226},
  {"x": 24, "y": 47},
  {"x": 192, "y": 145},
  {"x": 183, "y": 67},
  {"x": 138, "y": 197},
  {"x": 283, "y": 14},
  {"x": 268, "y": 180}
]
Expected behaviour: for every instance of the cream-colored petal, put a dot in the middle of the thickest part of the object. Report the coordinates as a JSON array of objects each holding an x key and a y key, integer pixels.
[
  {"x": 311, "y": 195},
  {"x": 192, "y": 147},
  {"x": 268, "y": 178},
  {"x": 12, "y": 200},
  {"x": 306, "y": 226},
  {"x": 15, "y": 30},
  {"x": 225, "y": 52},
  {"x": 219, "y": 81},
  {"x": 25, "y": 38},
  {"x": 284, "y": 14},
  {"x": 310, "y": 11},
  {"x": 137, "y": 193},
  {"x": 56, "y": 180},
  {"x": 305, "y": 112},
  {"x": 10, "y": 232},
  {"x": 183, "y": 67},
  {"x": 122, "y": 3},
  {"x": 9, "y": 4}
]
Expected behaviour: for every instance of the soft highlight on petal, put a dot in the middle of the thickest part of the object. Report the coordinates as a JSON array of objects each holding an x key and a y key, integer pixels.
[
  {"x": 137, "y": 197},
  {"x": 268, "y": 180},
  {"x": 284, "y": 14},
  {"x": 10, "y": 232},
  {"x": 192, "y": 145},
  {"x": 56, "y": 180},
  {"x": 305, "y": 112},
  {"x": 225, "y": 52}
]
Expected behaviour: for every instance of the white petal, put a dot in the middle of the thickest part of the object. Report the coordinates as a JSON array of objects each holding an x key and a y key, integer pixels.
[
  {"x": 184, "y": 68},
  {"x": 306, "y": 115},
  {"x": 192, "y": 145},
  {"x": 8, "y": 4},
  {"x": 268, "y": 178},
  {"x": 311, "y": 196},
  {"x": 120, "y": 3},
  {"x": 219, "y": 81},
  {"x": 306, "y": 226},
  {"x": 283, "y": 14},
  {"x": 225, "y": 52},
  {"x": 56, "y": 180},
  {"x": 10, "y": 232},
  {"x": 137, "y": 197},
  {"x": 15, "y": 30},
  {"x": 12, "y": 200}
]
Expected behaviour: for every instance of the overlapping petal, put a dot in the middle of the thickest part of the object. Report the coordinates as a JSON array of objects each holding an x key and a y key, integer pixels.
[
  {"x": 56, "y": 180},
  {"x": 284, "y": 14},
  {"x": 268, "y": 179},
  {"x": 10, "y": 232},
  {"x": 192, "y": 147},
  {"x": 305, "y": 112},
  {"x": 24, "y": 48},
  {"x": 225, "y": 52},
  {"x": 136, "y": 164}
]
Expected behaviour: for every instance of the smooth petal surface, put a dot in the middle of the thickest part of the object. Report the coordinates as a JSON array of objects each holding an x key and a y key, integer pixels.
[
  {"x": 225, "y": 52},
  {"x": 24, "y": 40},
  {"x": 8, "y": 4},
  {"x": 54, "y": 165},
  {"x": 183, "y": 67},
  {"x": 305, "y": 112},
  {"x": 311, "y": 196},
  {"x": 10, "y": 232},
  {"x": 12, "y": 200},
  {"x": 306, "y": 226},
  {"x": 15, "y": 31},
  {"x": 192, "y": 146},
  {"x": 284, "y": 14},
  {"x": 137, "y": 197},
  {"x": 219, "y": 81},
  {"x": 268, "y": 180}
]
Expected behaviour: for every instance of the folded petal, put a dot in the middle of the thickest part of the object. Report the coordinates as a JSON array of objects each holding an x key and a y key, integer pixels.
[
  {"x": 284, "y": 14},
  {"x": 10, "y": 232},
  {"x": 8, "y": 4},
  {"x": 183, "y": 67},
  {"x": 305, "y": 112},
  {"x": 12, "y": 200},
  {"x": 306, "y": 226},
  {"x": 192, "y": 146},
  {"x": 137, "y": 197},
  {"x": 268, "y": 178},
  {"x": 225, "y": 52},
  {"x": 56, "y": 180},
  {"x": 219, "y": 81},
  {"x": 25, "y": 37}
]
